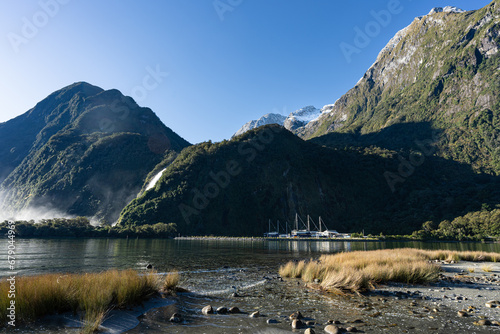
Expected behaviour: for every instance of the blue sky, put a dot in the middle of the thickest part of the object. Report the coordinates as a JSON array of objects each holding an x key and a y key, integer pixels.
[{"x": 216, "y": 64}]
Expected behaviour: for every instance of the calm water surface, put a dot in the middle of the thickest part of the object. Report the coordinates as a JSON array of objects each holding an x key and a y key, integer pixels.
[
  {"x": 36, "y": 256},
  {"x": 213, "y": 269}
]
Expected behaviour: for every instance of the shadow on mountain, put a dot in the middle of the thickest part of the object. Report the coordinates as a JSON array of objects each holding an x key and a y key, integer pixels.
[
  {"x": 352, "y": 189},
  {"x": 395, "y": 137},
  {"x": 424, "y": 185}
]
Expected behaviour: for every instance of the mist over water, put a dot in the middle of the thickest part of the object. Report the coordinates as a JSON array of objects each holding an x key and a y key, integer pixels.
[{"x": 35, "y": 213}]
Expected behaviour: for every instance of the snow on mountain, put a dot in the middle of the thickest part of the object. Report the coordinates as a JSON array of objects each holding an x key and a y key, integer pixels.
[
  {"x": 293, "y": 121},
  {"x": 301, "y": 117},
  {"x": 447, "y": 9},
  {"x": 264, "y": 120}
]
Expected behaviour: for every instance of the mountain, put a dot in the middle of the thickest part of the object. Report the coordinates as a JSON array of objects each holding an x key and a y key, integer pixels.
[
  {"x": 417, "y": 140},
  {"x": 301, "y": 117},
  {"x": 264, "y": 120},
  {"x": 442, "y": 70},
  {"x": 235, "y": 187},
  {"x": 82, "y": 151},
  {"x": 292, "y": 122}
]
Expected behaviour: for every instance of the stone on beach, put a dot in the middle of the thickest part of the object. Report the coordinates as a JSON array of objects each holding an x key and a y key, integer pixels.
[
  {"x": 296, "y": 315},
  {"x": 297, "y": 324},
  {"x": 255, "y": 314},
  {"x": 222, "y": 310},
  {"x": 483, "y": 322},
  {"x": 331, "y": 329},
  {"x": 207, "y": 310},
  {"x": 309, "y": 331},
  {"x": 176, "y": 317},
  {"x": 492, "y": 303},
  {"x": 234, "y": 310}
]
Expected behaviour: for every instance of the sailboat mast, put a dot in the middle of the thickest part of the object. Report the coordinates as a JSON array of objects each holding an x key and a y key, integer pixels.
[{"x": 308, "y": 224}]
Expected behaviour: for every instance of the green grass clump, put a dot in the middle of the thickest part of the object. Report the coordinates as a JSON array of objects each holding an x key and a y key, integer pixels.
[{"x": 94, "y": 294}]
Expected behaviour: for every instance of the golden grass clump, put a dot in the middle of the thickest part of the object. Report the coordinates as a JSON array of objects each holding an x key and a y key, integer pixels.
[
  {"x": 361, "y": 270},
  {"x": 170, "y": 281},
  {"x": 487, "y": 268},
  {"x": 92, "y": 293}
]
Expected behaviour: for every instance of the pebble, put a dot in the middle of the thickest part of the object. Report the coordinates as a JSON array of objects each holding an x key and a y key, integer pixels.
[
  {"x": 331, "y": 329},
  {"x": 297, "y": 324},
  {"x": 234, "y": 309},
  {"x": 296, "y": 315},
  {"x": 222, "y": 310},
  {"x": 492, "y": 303},
  {"x": 335, "y": 322},
  {"x": 272, "y": 321},
  {"x": 351, "y": 329},
  {"x": 207, "y": 310},
  {"x": 176, "y": 317},
  {"x": 482, "y": 322},
  {"x": 255, "y": 314},
  {"x": 309, "y": 331},
  {"x": 462, "y": 313}
]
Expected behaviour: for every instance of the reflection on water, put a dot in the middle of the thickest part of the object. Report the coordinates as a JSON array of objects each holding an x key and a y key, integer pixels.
[{"x": 35, "y": 256}]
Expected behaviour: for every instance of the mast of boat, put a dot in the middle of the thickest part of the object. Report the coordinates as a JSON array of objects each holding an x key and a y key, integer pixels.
[
  {"x": 296, "y": 221},
  {"x": 322, "y": 222},
  {"x": 308, "y": 224},
  {"x": 269, "y": 227},
  {"x": 278, "y": 227},
  {"x": 320, "y": 229}
]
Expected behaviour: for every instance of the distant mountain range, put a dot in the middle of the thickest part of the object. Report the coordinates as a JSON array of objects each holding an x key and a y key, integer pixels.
[
  {"x": 293, "y": 122},
  {"x": 416, "y": 140}
]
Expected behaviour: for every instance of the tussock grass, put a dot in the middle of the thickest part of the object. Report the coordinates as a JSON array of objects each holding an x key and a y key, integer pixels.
[
  {"x": 487, "y": 268},
  {"x": 361, "y": 270},
  {"x": 170, "y": 282},
  {"x": 94, "y": 294}
]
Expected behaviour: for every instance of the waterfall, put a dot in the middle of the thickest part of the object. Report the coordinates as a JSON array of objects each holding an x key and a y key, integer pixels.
[{"x": 155, "y": 179}]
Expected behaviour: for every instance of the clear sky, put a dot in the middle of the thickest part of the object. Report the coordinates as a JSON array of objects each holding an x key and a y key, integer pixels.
[{"x": 204, "y": 67}]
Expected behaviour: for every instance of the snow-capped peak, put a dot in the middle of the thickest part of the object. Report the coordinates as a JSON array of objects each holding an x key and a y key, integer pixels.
[
  {"x": 305, "y": 114},
  {"x": 264, "y": 120},
  {"x": 447, "y": 9},
  {"x": 295, "y": 119}
]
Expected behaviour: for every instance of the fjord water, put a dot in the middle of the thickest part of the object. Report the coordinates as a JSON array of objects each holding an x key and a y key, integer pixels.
[
  {"x": 212, "y": 269},
  {"x": 39, "y": 256}
]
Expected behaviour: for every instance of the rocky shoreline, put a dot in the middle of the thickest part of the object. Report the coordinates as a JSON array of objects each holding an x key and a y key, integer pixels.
[
  {"x": 258, "y": 300},
  {"x": 277, "y": 305}
]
